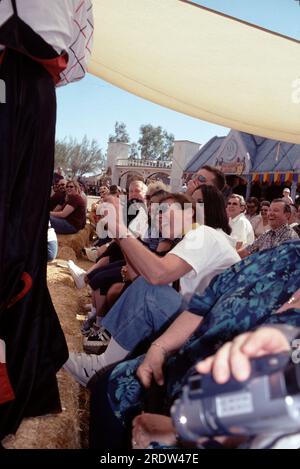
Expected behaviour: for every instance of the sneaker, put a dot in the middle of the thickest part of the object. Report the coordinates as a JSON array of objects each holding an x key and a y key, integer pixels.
[
  {"x": 97, "y": 341},
  {"x": 91, "y": 254},
  {"x": 88, "y": 324},
  {"x": 88, "y": 307},
  {"x": 74, "y": 268},
  {"x": 78, "y": 274},
  {"x": 82, "y": 366}
]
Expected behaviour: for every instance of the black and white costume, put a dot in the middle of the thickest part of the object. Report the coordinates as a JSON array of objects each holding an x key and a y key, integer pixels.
[{"x": 42, "y": 44}]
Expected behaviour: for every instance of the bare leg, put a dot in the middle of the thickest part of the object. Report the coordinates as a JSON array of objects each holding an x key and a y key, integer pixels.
[
  {"x": 93, "y": 299},
  {"x": 101, "y": 263},
  {"x": 100, "y": 301},
  {"x": 113, "y": 294}
]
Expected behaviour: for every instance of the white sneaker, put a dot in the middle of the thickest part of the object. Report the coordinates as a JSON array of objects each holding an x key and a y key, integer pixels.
[
  {"x": 74, "y": 268},
  {"x": 78, "y": 274},
  {"x": 91, "y": 254},
  {"x": 82, "y": 366}
]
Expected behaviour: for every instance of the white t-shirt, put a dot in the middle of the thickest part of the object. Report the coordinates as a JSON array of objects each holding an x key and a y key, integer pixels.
[
  {"x": 209, "y": 252},
  {"x": 242, "y": 230}
]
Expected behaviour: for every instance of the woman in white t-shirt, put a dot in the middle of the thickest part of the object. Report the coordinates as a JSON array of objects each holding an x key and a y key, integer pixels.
[
  {"x": 150, "y": 303},
  {"x": 203, "y": 250}
]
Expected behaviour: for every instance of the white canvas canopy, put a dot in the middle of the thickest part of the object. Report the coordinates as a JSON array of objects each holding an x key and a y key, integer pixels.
[{"x": 201, "y": 63}]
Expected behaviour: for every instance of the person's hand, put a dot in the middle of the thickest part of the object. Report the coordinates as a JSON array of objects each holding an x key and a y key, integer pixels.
[
  {"x": 234, "y": 357},
  {"x": 152, "y": 367},
  {"x": 192, "y": 185},
  {"x": 147, "y": 428},
  {"x": 113, "y": 216}
]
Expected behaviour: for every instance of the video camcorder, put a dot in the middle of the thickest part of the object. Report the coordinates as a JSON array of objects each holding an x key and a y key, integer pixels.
[{"x": 267, "y": 402}]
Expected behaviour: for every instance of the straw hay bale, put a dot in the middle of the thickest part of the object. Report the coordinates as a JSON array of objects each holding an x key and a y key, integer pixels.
[
  {"x": 76, "y": 241},
  {"x": 69, "y": 428},
  {"x": 66, "y": 253}
]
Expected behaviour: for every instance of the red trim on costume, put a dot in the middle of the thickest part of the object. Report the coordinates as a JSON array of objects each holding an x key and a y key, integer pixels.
[
  {"x": 2, "y": 54},
  {"x": 27, "y": 280},
  {"x": 6, "y": 391},
  {"x": 54, "y": 66}
]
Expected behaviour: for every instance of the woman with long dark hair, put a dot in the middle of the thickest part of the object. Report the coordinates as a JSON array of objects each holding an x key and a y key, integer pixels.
[{"x": 215, "y": 214}]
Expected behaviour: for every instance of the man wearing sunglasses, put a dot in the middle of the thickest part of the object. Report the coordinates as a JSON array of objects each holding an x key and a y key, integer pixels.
[
  {"x": 57, "y": 200},
  {"x": 206, "y": 175}
]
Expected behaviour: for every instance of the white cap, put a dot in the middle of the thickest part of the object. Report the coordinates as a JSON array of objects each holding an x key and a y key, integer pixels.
[{"x": 286, "y": 189}]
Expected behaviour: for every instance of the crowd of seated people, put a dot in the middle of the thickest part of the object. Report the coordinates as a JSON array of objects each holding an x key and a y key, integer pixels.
[
  {"x": 70, "y": 217},
  {"x": 107, "y": 276},
  {"x": 149, "y": 304},
  {"x": 176, "y": 294}
]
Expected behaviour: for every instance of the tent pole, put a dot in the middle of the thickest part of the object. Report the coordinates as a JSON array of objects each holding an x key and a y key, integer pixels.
[
  {"x": 293, "y": 190},
  {"x": 248, "y": 190}
]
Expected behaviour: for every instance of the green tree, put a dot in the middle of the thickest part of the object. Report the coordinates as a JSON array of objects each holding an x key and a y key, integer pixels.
[
  {"x": 155, "y": 143},
  {"x": 134, "y": 151},
  {"x": 78, "y": 158},
  {"x": 121, "y": 134}
]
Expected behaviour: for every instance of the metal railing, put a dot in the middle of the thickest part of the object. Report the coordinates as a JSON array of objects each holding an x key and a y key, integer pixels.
[{"x": 144, "y": 163}]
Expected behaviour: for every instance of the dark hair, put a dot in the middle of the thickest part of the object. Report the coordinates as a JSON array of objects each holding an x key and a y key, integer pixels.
[
  {"x": 114, "y": 189},
  {"x": 265, "y": 203},
  {"x": 215, "y": 214},
  {"x": 219, "y": 176},
  {"x": 287, "y": 207},
  {"x": 255, "y": 201}
]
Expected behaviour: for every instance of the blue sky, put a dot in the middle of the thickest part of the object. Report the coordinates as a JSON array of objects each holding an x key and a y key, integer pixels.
[{"x": 92, "y": 106}]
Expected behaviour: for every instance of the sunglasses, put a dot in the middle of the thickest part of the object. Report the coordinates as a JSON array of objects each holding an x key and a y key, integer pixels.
[
  {"x": 70, "y": 187},
  {"x": 232, "y": 203},
  {"x": 200, "y": 178}
]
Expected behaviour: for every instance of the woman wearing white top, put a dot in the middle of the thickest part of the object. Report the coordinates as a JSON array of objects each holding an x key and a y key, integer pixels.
[
  {"x": 150, "y": 303},
  {"x": 242, "y": 230}
]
